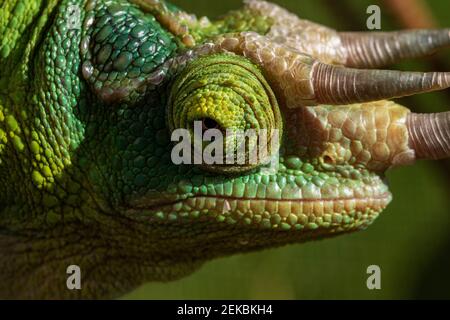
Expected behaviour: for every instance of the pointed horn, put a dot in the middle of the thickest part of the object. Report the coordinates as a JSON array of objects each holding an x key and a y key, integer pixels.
[
  {"x": 377, "y": 49},
  {"x": 429, "y": 135},
  {"x": 339, "y": 85}
]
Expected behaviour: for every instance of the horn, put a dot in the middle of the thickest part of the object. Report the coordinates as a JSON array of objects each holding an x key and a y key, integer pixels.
[
  {"x": 376, "y": 49},
  {"x": 429, "y": 135},
  {"x": 339, "y": 85}
]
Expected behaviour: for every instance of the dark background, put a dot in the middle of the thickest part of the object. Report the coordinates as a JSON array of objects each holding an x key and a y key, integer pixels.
[{"x": 410, "y": 241}]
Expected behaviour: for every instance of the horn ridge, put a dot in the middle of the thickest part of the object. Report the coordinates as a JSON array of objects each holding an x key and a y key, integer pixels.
[
  {"x": 339, "y": 85},
  {"x": 377, "y": 49},
  {"x": 429, "y": 135}
]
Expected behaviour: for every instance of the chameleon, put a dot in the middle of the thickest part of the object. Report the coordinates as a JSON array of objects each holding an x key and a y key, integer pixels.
[{"x": 91, "y": 92}]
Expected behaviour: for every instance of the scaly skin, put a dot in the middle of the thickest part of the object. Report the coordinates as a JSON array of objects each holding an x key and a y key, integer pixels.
[{"x": 86, "y": 175}]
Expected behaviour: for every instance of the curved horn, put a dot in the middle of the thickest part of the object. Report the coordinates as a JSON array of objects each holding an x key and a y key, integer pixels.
[
  {"x": 376, "y": 49},
  {"x": 429, "y": 135},
  {"x": 340, "y": 85}
]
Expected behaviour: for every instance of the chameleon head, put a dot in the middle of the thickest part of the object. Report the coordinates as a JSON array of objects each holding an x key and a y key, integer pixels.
[
  {"x": 94, "y": 159},
  {"x": 325, "y": 177},
  {"x": 337, "y": 134}
]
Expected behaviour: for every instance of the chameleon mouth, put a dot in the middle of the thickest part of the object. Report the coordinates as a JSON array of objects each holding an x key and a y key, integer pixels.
[{"x": 284, "y": 214}]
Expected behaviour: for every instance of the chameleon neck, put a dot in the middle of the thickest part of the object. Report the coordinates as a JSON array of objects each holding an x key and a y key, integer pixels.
[
  {"x": 40, "y": 105},
  {"x": 21, "y": 24}
]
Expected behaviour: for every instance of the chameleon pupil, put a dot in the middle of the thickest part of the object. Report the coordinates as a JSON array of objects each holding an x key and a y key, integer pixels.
[{"x": 209, "y": 123}]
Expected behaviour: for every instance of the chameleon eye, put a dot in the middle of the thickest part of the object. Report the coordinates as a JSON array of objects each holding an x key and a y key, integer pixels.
[{"x": 228, "y": 93}]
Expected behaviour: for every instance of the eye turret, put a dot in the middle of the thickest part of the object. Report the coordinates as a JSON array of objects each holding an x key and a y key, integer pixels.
[{"x": 228, "y": 94}]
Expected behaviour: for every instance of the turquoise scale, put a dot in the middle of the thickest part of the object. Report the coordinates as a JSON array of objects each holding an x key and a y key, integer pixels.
[{"x": 122, "y": 48}]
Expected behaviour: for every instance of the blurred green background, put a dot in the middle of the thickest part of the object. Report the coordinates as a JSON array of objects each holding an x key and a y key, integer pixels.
[{"x": 411, "y": 239}]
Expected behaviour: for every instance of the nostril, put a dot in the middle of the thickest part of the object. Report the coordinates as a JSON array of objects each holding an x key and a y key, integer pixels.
[{"x": 328, "y": 160}]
